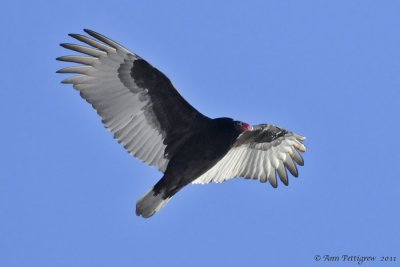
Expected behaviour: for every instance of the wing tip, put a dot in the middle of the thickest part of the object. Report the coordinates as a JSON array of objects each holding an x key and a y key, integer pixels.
[
  {"x": 282, "y": 173},
  {"x": 88, "y": 31},
  {"x": 68, "y": 81},
  {"x": 93, "y": 33},
  {"x": 68, "y": 45}
]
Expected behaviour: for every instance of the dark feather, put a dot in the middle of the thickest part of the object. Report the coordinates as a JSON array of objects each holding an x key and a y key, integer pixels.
[
  {"x": 291, "y": 166},
  {"x": 282, "y": 173},
  {"x": 84, "y": 49},
  {"x": 297, "y": 157},
  {"x": 272, "y": 179}
]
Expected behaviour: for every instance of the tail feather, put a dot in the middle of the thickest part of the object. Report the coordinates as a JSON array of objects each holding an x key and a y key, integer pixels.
[{"x": 150, "y": 203}]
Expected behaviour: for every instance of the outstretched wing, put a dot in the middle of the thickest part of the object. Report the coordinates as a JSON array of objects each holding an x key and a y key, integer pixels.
[
  {"x": 136, "y": 102},
  {"x": 263, "y": 153}
]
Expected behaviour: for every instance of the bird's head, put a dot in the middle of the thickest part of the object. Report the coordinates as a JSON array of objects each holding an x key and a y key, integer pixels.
[{"x": 242, "y": 126}]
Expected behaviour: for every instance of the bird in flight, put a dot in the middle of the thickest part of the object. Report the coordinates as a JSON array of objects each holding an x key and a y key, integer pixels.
[{"x": 154, "y": 123}]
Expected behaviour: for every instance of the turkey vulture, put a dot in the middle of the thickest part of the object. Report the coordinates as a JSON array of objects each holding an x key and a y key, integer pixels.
[{"x": 154, "y": 123}]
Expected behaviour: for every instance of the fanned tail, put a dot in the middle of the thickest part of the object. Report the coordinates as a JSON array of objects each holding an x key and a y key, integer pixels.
[{"x": 150, "y": 203}]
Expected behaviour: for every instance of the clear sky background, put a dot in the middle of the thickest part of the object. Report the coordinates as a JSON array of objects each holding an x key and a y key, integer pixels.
[{"x": 329, "y": 70}]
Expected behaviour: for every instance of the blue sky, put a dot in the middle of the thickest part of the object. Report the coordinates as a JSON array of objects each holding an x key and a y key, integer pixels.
[{"x": 326, "y": 69}]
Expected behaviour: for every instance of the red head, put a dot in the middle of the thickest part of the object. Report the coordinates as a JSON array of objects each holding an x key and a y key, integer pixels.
[{"x": 242, "y": 126}]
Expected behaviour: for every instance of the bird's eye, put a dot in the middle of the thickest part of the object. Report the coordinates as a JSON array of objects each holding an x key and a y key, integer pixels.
[{"x": 238, "y": 124}]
